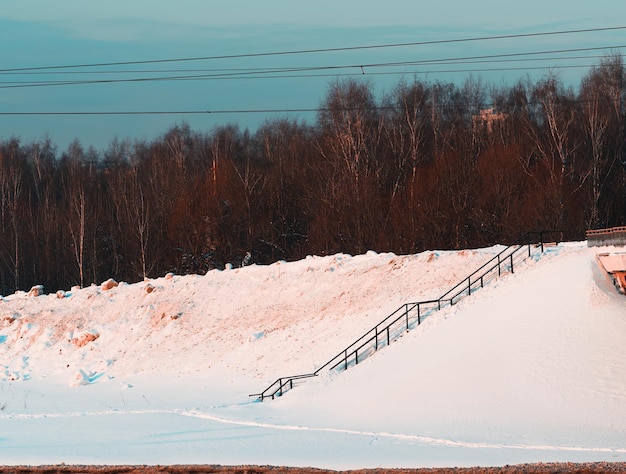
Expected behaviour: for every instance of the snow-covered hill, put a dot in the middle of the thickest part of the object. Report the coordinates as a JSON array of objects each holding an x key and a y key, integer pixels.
[{"x": 531, "y": 368}]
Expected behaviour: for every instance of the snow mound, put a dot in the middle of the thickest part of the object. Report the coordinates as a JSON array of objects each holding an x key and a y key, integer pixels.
[{"x": 530, "y": 368}]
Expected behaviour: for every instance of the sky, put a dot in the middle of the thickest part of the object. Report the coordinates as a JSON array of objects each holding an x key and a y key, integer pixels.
[
  {"x": 529, "y": 368},
  {"x": 39, "y": 33}
]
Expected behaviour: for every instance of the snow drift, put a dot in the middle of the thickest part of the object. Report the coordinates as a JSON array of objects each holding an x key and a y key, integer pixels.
[{"x": 530, "y": 368}]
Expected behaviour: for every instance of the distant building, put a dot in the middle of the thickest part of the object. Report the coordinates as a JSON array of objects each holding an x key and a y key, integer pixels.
[
  {"x": 486, "y": 119},
  {"x": 612, "y": 236}
]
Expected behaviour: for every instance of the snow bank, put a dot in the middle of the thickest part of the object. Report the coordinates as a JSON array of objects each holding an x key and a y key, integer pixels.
[{"x": 528, "y": 369}]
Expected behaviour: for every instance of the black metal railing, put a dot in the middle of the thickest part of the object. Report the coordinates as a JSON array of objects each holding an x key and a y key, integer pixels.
[{"x": 410, "y": 315}]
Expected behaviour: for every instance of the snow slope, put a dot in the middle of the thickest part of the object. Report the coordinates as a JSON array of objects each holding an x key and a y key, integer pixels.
[{"x": 531, "y": 368}]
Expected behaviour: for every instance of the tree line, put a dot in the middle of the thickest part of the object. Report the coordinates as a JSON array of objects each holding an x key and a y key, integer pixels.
[{"x": 425, "y": 165}]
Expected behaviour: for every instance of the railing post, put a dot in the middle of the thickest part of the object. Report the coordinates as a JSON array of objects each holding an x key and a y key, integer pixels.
[
  {"x": 541, "y": 240},
  {"x": 388, "y": 341},
  {"x": 469, "y": 286},
  {"x": 376, "y": 337},
  {"x": 419, "y": 320},
  {"x": 499, "y": 272},
  {"x": 406, "y": 313},
  {"x": 481, "y": 281},
  {"x": 512, "y": 264},
  {"x": 280, "y": 386},
  {"x": 346, "y": 359},
  {"x": 356, "y": 357}
]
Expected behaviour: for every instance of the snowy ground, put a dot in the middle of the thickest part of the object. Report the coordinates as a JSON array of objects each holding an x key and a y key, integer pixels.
[{"x": 531, "y": 368}]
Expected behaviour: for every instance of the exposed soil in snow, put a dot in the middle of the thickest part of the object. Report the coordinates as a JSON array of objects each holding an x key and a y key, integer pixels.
[{"x": 557, "y": 468}]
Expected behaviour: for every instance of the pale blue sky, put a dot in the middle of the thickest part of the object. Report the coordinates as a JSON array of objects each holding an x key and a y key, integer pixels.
[{"x": 36, "y": 33}]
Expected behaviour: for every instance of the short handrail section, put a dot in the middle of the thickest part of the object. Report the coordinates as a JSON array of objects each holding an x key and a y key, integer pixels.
[
  {"x": 410, "y": 315},
  {"x": 281, "y": 385}
]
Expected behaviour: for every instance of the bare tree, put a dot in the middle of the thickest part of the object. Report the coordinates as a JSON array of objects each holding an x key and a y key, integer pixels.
[
  {"x": 12, "y": 177},
  {"x": 42, "y": 217},
  {"x": 132, "y": 215},
  {"x": 554, "y": 135},
  {"x": 408, "y": 131},
  {"x": 75, "y": 184},
  {"x": 602, "y": 101},
  {"x": 252, "y": 180},
  {"x": 351, "y": 130},
  {"x": 283, "y": 148}
]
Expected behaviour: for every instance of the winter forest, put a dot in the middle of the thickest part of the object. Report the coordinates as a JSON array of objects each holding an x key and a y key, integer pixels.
[{"x": 426, "y": 165}]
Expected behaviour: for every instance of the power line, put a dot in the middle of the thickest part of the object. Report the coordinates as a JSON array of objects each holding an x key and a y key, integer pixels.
[
  {"x": 251, "y": 111},
  {"x": 172, "y": 112},
  {"x": 306, "y": 71},
  {"x": 320, "y": 50},
  {"x": 296, "y": 72},
  {"x": 261, "y": 69},
  {"x": 359, "y": 73}
]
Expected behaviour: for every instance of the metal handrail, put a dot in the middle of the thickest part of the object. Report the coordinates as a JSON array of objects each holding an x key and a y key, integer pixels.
[
  {"x": 280, "y": 382},
  {"x": 403, "y": 312}
]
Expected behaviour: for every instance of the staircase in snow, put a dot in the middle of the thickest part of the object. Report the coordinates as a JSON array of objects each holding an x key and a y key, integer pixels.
[{"x": 411, "y": 315}]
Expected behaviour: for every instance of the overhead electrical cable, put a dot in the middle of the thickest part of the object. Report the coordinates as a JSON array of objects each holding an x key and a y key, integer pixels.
[
  {"x": 462, "y": 60},
  {"x": 305, "y": 71},
  {"x": 414, "y": 67},
  {"x": 318, "y": 75},
  {"x": 234, "y": 111},
  {"x": 320, "y": 50},
  {"x": 172, "y": 112}
]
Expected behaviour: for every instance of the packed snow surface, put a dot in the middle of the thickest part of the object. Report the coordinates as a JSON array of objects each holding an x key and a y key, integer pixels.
[{"x": 531, "y": 368}]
